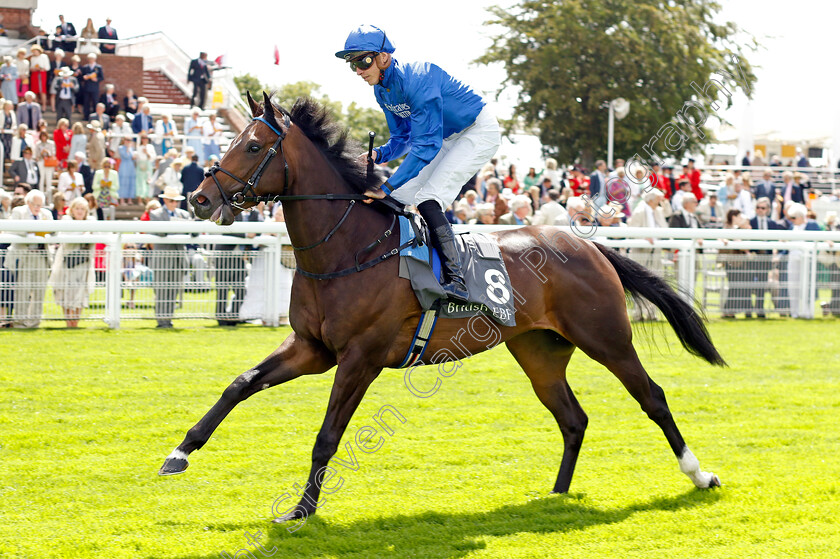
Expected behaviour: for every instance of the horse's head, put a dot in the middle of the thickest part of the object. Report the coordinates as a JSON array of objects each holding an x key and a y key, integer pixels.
[{"x": 253, "y": 168}]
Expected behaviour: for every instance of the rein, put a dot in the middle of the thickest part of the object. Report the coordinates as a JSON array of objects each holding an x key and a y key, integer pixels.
[{"x": 240, "y": 198}]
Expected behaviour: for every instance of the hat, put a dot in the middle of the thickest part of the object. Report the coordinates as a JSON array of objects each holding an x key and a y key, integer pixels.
[
  {"x": 365, "y": 38},
  {"x": 182, "y": 161},
  {"x": 507, "y": 193},
  {"x": 36, "y": 46},
  {"x": 65, "y": 72},
  {"x": 95, "y": 125},
  {"x": 171, "y": 193}
]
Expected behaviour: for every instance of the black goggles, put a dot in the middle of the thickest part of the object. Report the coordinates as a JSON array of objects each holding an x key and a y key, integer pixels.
[{"x": 363, "y": 62}]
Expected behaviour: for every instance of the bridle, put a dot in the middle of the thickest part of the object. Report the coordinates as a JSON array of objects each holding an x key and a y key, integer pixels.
[{"x": 239, "y": 199}]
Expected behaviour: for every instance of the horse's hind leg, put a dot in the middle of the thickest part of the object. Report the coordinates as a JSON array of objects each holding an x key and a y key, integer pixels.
[
  {"x": 294, "y": 358},
  {"x": 621, "y": 359},
  {"x": 543, "y": 355}
]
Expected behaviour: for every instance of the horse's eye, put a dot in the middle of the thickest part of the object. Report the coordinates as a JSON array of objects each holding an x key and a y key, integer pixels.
[{"x": 253, "y": 148}]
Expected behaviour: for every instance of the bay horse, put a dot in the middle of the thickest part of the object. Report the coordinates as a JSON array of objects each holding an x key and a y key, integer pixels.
[{"x": 363, "y": 321}]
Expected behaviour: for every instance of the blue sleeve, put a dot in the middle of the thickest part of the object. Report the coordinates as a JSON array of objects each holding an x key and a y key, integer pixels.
[
  {"x": 396, "y": 146},
  {"x": 426, "y": 129}
]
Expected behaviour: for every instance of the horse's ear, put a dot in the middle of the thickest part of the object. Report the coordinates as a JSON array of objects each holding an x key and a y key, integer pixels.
[
  {"x": 268, "y": 104},
  {"x": 255, "y": 108}
]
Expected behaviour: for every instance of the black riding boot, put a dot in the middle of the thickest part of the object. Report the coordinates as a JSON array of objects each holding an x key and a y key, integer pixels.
[{"x": 443, "y": 239}]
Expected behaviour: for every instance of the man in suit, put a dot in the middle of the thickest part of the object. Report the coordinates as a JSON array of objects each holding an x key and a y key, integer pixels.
[
  {"x": 168, "y": 262},
  {"x": 143, "y": 121},
  {"x": 550, "y": 211},
  {"x": 90, "y": 78},
  {"x": 745, "y": 162},
  {"x": 33, "y": 264},
  {"x": 29, "y": 112},
  {"x": 191, "y": 177},
  {"x": 108, "y": 32},
  {"x": 25, "y": 170},
  {"x": 710, "y": 211},
  {"x": 648, "y": 213},
  {"x": 685, "y": 218},
  {"x": 84, "y": 170},
  {"x": 230, "y": 276},
  {"x": 520, "y": 211},
  {"x": 67, "y": 40},
  {"x": 766, "y": 188},
  {"x": 597, "y": 180},
  {"x": 763, "y": 261},
  {"x": 100, "y": 115},
  {"x": 199, "y": 75}
]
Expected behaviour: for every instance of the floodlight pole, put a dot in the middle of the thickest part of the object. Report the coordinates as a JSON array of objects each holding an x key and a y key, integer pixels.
[{"x": 610, "y": 134}]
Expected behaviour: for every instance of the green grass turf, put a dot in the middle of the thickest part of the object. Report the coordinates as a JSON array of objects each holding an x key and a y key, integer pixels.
[{"x": 87, "y": 416}]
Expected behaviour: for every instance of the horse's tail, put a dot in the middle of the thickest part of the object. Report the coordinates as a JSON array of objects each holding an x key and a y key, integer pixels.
[{"x": 689, "y": 325}]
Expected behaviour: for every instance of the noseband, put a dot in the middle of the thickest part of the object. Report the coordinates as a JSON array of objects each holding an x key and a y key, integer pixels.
[{"x": 240, "y": 198}]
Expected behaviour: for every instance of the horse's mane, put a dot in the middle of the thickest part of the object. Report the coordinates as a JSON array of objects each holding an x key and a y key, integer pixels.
[{"x": 332, "y": 139}]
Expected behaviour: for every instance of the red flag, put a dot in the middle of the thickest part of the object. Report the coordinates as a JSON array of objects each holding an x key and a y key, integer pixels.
[
  {"x": 220, "y": 60},
  {"x": 276, "y": 55}
]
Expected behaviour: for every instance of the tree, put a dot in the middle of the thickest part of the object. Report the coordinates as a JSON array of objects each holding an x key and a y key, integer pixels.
[
  {"x": 570, "y": 57},
  {"x": 247, "y": 83}
]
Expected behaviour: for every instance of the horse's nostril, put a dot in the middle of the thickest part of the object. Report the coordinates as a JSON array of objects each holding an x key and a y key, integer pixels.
[{"x": 200, "y": 199}]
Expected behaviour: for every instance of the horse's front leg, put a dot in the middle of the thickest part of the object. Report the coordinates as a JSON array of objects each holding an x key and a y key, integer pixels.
[
  {"x": 352, "y": 379},
  {"x": 294, "y": 358}
]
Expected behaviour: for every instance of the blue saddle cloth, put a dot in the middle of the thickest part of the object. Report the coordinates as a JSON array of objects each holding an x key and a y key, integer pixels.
[{"x": 484, "y": 270}]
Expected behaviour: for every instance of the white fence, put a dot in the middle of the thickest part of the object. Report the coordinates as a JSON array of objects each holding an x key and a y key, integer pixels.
[{"x": 132, "y": 276}]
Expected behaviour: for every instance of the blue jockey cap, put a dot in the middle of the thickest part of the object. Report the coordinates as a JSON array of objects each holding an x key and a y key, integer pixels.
[{"x": 365, "y": 38}]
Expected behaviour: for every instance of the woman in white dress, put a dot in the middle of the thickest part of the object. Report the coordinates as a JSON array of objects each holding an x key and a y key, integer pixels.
[
  {"x": 193, "y": 128},
  {"x": 44, "y": 154},
  {"x": 71, "y": 184},
  {"x": 72, "y": 276}
]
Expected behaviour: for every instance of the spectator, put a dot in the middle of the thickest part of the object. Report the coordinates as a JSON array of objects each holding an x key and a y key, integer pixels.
[
  {"x": 91, "y": 76},
  {"x": 199, "y": 76},
  {"x": 56, "y": 65},
  {"x": 29, "y": 112},
  {"x": 76, "y": 67},
  {"x": 610, "y": 216},
  {"x": 710, "y": 212},
  {"x": 5, "y": 208},
  {"x": 143, "y": 121},
  {"x": 676, "y": 199},
  {"x": 535, "y": 194},
  {"x": 8, "y": 127},
  {"x": 25, "y": 170},
  {"x": 93, "y": 208},
  {"x": 127, "y": 173},
  {"x": 484, "y": 214},
  {"x": 9, "y": 76},
  {"x": 191, "y": 177},
  {"x": 618, "y": 190},
  {"x": 172, "y": 175},
  {"x": 96, "y": 143},
  {"x": 685, "y": 218},
  {"x": 531, "y": 179},
  {"x": 797, "y": 213},
  {"x": 511, "y": 181},
  {"x": 20, "y": 141},
  {"x": 109, "y": 33},
  {"x": 110, "y": 101},
  {"x": 7, "y": 267},
  {"x": 520, "y": 210},
  {"x": 71, "y": 184},
  {"x": 253, "y": 306},
  {"x": 143, "y": 172},
  {"x": 32, "y": 264},
  {"x": 211, "y": 135},
  {"x": 106, "y": 188},
  {"x": 738, "y": 276},
  {"x": 660, "y": 181},
  {"x": 78, "y": 139},
  {"x": 72, "y": 276},
  {"x": 552, "y": 173},
  {"x": 193, "y": 130},
  {"x": 120, "y": 130},
  {"x": 151, "y": 206},
  {"x": 168, "y": 261},
  {"x": 766, "y": 188},
  {"x": 550, "y": 211},
  {"x": 831, "y": 261},
  {"x": 39, "y": 67},
  {"x": 88, "y": 33},
  {"x": 130, "y": 102},
  {"x": 66, "y": 35},
  {"x": 64, "y": 89},
  {"x": 59, "y": 205},
  {"x": 693, "y": 176},
  {"x": 494, "y": 196},
  {"x": 743, "y": 200},
  {"x": 800, "y": 189},
  {"x": 22, "y": 64},
  {"x": 47, "y": 162},
  {"x": 230, "y": 276},
  {"x": 84, "y": 170},
  {"x": 598, "y": 181},
  {"x": 763, "y": 261},
  {"x": 649, "y": 213},
  {"x": 100, "y": 115},
  {"x": 165, "y": 131},
  {"x": 745, "y": 162}
]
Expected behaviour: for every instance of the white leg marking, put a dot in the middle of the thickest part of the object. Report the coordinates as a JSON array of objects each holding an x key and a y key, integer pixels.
[
  {"x": 176, "y": 454},
  {"x": 690, "y": 466}
]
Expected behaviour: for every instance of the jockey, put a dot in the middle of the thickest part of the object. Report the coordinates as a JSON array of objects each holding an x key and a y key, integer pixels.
[{"x": 440, "y": 124}]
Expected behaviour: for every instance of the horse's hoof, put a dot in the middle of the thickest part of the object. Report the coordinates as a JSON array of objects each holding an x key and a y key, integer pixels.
[
  {"x": 714, "y": 482},
  {"x": 297, "y": 513},
  {"x": 172, "y": 466}
]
